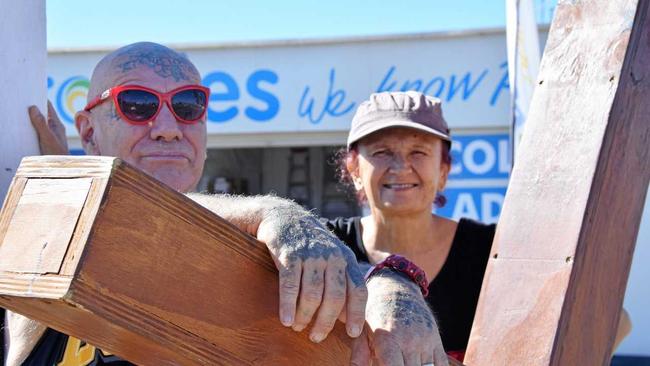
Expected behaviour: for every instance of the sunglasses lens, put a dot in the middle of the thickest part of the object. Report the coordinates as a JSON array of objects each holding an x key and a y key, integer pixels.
[
  {"x": 190, "y": 104},
  {"x": 137, "y": 105}
]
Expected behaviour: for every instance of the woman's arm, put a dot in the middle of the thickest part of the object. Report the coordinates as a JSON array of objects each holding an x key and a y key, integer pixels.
[{"x": 624, "y": 329}]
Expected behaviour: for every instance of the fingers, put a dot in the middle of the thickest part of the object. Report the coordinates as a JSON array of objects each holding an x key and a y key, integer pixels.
[
  {"x": 439, "y": 354},
  {"x": 290, "y": 274},
  {"x": 361, "y": 354},
  {"x": 52, "y": 117},
  {"x": 311, "y": 292},
  {"x": 333, "y": 299},
  {"x": 50, "y": 131},
  {"x": 412, "y": 359},
  {"x": 357, "y": 296},
  {"x": 440, "y": 358},
  {"x": 54, "y": 122},
  {"x": 387, "y": 352},
  {"x": 37, "y": 119},
  {"x": 427, "y": 358}
]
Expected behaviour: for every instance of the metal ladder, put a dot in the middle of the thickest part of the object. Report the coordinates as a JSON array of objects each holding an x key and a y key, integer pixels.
[{"x": 299, "y": 182}]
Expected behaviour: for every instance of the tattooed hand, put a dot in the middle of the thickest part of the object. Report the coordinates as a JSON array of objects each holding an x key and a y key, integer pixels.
[
  {"x": 319, "y": 275},
  {"x": 402, "y": 329},
  {"x": 50, "y": 131}
]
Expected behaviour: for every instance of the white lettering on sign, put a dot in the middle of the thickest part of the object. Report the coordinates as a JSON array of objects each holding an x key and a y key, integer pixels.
[
  {"x": 504, "y": 162},
  {"x": 469, "y": 156},
  {"x": 465, "y": 207},
  {"x": 491, "y": 204}
]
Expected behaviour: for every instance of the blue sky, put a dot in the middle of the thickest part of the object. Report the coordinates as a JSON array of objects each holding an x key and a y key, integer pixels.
[{"x": 77, "y": 23}]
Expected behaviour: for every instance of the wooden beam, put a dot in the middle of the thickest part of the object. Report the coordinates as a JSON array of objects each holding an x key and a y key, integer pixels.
[
  {"x": 94, "y": 248},
  {"x": 557, "y": 274}
]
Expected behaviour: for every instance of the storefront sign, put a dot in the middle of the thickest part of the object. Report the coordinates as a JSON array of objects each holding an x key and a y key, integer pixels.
[{"x": 317, "y": 87}]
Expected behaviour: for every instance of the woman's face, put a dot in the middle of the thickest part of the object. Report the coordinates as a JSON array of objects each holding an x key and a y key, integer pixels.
[{"x": 400, "y": 170}]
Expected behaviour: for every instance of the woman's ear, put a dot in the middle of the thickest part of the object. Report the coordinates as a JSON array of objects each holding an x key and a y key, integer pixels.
[
  {"x": 352, "y": 165},
  {"x": 444, "y": 175},
  {"x": 86, "y": 131},
  {"x": 358, "y": 184}
]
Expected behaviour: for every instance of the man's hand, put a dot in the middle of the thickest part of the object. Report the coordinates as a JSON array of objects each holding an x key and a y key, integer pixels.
[
  {"x": 402, "y": 329},
  {"x": 50, "y": 131},
  {"x": 319, "y": 275}
]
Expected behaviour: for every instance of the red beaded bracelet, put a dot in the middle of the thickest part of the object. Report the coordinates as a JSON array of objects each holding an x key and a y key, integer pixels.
[{"x": 403, "y": 265}]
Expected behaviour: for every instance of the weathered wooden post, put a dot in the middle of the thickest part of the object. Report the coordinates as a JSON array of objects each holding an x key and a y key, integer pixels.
[
  {"x": 556, "y": 277},
  {"x": 22, "y": 81}
]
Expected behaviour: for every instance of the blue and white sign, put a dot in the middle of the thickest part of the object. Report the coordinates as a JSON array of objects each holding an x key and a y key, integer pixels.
[
  {"x": 478, "y": 178},
  {"x": 317, "y": 87}
]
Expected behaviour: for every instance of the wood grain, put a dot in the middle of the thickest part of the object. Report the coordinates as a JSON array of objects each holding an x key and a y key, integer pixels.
[
  {"x": 159, "y": 279},
  {"x": 47, "y": 212},
  {"x": 556, "y": 277}
]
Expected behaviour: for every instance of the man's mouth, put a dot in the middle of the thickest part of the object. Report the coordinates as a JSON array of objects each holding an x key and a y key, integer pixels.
[{"x": 165, "y": 155}]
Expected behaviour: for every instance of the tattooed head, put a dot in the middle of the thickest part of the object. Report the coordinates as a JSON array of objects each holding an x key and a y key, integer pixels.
[
  {"x": 160, "y": 60},
  {"x": 169, "y": 150}
]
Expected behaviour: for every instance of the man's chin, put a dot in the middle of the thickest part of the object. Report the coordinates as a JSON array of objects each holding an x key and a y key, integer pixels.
[{"x": 180, "y": 179}]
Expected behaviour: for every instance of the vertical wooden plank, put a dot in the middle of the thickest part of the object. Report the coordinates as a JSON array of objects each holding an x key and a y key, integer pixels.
[
  {"x": 556, "y": 278},
  {"x": 23, "y": 79}
]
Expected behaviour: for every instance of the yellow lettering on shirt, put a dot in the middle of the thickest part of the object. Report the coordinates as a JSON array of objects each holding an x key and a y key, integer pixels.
[{"x": 77, "y": 355}]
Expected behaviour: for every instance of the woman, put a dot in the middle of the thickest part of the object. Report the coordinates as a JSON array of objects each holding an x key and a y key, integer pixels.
[{"x": 398, "y": 160}]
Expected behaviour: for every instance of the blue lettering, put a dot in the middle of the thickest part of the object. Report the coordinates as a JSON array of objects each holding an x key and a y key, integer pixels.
[
  {"x": 503, "y": 85},
  {"x": 273, "y": 104},
  {"x": 332, "y": 106},
  {"x": 50, "y": 82},
  {"x": 231, "y": 93},
  {"x": 465, "y": 84},
  {"x": 436, "y": 86}
]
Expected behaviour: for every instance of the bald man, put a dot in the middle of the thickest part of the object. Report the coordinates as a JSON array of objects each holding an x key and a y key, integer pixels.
[{"x": 147, "y": 107}]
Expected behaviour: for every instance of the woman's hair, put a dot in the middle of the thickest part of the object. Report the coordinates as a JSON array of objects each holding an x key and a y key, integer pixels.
[{"x": 343, "y": 156}]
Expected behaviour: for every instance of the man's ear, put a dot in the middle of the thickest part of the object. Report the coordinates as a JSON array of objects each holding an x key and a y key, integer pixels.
[{"x": 86, "y": 132}]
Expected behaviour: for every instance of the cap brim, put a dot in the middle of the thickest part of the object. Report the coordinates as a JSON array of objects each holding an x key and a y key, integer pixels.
[{"x": 395, "y": 123}]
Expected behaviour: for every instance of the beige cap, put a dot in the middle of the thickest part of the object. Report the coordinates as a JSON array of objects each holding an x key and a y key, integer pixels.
[{"x": 398, "y": 109}]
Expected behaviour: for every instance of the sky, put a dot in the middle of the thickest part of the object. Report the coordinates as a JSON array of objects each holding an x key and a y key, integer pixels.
[{"x": 83, "y": 23}]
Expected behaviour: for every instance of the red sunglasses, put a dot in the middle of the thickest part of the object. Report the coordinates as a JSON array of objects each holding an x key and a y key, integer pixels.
[{"x": 139, "y": 105}]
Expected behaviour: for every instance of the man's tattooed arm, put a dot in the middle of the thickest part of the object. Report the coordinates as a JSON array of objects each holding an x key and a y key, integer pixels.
[
  {"x": 319, "y": 275},
  {"x": 402, "y": 329}
]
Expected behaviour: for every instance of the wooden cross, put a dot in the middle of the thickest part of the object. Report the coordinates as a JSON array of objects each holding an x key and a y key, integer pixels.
[{"x": 556, "y": 277}]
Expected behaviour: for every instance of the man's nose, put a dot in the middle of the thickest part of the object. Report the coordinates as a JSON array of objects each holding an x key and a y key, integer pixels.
[{"x": 165, "y": 127}]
